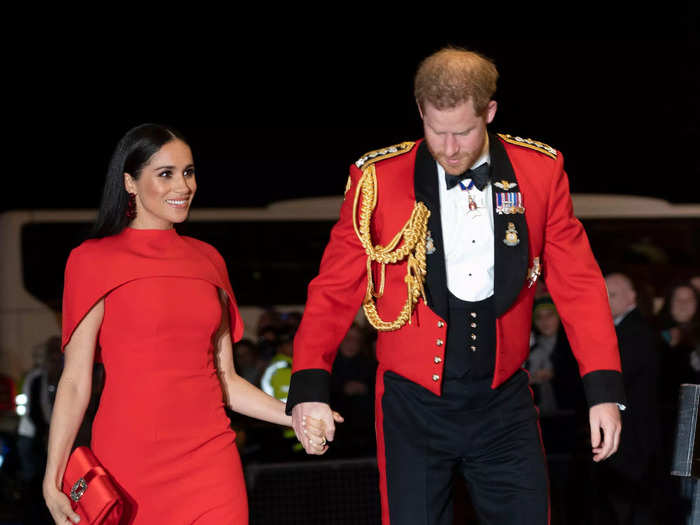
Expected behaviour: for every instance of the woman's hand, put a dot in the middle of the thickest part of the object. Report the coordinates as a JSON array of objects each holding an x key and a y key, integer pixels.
[
  {"x": 315, "y": 433},
  {"x": 59, "y": 505}
]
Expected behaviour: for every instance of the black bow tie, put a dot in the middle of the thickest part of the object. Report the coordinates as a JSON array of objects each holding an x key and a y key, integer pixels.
[{"x": 480, "y": 176}]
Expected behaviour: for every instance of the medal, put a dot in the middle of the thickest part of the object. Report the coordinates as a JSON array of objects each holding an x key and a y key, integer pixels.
[
  {"x": 511, "y": 238},
  {"x": 473, "y": 206},
  {"x": 534, "y": 272},
  {"x": 509, "y": 203},
  {"x": 429, "y": 244}
]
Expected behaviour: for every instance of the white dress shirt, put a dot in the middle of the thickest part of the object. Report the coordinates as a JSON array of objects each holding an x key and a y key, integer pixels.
[{"x": 467, "y": 237}]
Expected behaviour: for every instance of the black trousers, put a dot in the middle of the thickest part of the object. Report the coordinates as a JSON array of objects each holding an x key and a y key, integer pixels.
[{"x": 490, "y": 437}]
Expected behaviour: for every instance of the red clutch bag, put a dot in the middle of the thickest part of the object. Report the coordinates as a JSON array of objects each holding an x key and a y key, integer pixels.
[{"x": 93, "y": 493}]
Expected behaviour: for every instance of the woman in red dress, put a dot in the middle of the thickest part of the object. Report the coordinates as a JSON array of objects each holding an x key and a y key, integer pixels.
[{"x": 160, "y": 309}]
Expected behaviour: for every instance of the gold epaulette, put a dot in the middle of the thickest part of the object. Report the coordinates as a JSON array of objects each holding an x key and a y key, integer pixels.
[
  {"x": 529, "y": 143},
  {"x": 384, "y": 153}
]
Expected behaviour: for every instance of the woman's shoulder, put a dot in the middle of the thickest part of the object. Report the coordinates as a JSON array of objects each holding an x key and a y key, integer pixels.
[
  {"x": 211, "y": 254},
  {"x": 91, "y": 250},
  {"x": 203, "y": 247}
]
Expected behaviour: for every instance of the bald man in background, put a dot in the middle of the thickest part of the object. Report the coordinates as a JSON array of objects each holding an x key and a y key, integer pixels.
[{"x": 626, "y": 479}]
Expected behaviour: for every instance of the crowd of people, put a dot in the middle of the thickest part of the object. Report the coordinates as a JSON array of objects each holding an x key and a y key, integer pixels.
[
  {"x": 659, "y": 347},
  {"x": 266, "y": 361},
  {"x": 659, "y": 350}
]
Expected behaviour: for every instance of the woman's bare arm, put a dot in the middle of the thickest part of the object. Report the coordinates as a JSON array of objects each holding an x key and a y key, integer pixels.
[{"x": 72, "y": 398}]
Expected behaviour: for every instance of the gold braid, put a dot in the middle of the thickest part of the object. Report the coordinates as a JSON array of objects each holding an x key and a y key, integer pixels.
[{"x": 413, "y": 235}]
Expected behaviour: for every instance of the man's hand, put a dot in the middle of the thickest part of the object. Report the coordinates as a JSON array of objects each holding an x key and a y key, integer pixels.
[
  {"x": 303, "y": 414},
  {"x": 605, "y": 417}
]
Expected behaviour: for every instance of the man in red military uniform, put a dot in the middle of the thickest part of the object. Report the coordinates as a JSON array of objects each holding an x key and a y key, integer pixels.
[{"x": 441, "y": 241}]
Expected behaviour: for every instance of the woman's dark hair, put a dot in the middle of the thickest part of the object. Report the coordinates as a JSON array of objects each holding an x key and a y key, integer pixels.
[{"x": 132, "y": 153}]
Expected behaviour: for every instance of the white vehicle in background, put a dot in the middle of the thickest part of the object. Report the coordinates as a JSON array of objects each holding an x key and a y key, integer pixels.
[{"x": 273, "y": 252}]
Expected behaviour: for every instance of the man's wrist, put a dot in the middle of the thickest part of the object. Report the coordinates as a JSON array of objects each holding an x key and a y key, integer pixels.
[
  {"x": 309, "y": 385},
  {"x": 604, "y": 386}
]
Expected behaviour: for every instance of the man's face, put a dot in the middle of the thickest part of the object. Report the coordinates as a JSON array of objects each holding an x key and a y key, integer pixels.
[
  {"x": 456, "y": 137},
  {"x": 621, "y": 296}
]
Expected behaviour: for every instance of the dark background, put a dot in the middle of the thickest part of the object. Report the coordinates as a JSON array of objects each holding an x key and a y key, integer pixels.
[{"x": 271, "y": 119}]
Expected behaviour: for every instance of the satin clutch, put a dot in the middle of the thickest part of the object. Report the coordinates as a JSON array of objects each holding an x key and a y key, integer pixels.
[{"x": 92, "y": 491}]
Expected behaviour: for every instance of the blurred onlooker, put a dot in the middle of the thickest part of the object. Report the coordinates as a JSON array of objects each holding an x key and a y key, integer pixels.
[
  {"x": 695, "y": 281},
  {"x": 679, "y": 323},
  {"x": 353, "y": 370},
  {"x": 554, "y": 377},
  {"x": 625, "y": 481},
  {"x": 546, "y": 325},
  {"x": 35, "y": 405},
  {"x": 352, "y": 393},
  {"x": 275, "y": 382},
  {"x": 275, "y": 379},
  {"x": 291, "y": 320},
  {"x": 246, "y": 361},
  {"x": 269, "y": 324}
]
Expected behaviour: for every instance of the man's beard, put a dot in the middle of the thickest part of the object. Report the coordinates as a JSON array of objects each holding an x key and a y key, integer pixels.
[{"x": 466, "y": 161}]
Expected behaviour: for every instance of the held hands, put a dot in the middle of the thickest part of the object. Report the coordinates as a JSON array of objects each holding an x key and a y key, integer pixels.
[
  {"x": 605, "y": 417},
  {"x": 314, "y": 424},
  {"x": 59, "y": 505}
]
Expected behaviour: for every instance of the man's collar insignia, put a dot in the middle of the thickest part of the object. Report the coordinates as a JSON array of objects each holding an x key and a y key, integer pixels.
[
  {"x": 529, "y": 143},
  {"x": 385, "y": 153}
]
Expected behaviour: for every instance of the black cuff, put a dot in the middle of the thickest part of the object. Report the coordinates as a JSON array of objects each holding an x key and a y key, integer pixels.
[
  {"x": 312, "y": 384},
  {"x": 604, "y": 386}
]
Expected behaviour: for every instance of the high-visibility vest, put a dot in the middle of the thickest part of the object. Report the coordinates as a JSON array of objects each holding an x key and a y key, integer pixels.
[{"x": 275, "y": 379}]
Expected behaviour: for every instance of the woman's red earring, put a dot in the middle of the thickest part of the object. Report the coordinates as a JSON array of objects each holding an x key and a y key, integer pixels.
[{"x": 131, "y": 207}]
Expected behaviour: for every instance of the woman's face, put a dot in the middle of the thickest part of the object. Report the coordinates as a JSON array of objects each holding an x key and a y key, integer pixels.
[
  {"x": 165, "y": 188},
  {"x": 546, "y": 321},
  {"x": 683, "y": 304}
]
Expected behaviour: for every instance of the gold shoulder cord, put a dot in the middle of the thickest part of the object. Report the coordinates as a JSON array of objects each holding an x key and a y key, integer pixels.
[{"x": 413, "y": 235}]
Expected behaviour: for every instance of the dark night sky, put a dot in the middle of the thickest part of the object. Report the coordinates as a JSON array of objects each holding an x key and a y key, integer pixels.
[{"x": 274, "y": 122}]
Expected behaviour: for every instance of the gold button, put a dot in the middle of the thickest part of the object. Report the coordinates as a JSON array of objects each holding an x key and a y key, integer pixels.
[
  {"x": 473, "y": 325},
  {"x": 472, "y": 348},
  {"x": 439, "y": 342},
  {"x": 473, "y": 314},
  {"x": 473, "y": 336},
  {"x": 438, "y": 359},
  {"x": 436, "y": 377},
  {"x": 441, "y": 324}
]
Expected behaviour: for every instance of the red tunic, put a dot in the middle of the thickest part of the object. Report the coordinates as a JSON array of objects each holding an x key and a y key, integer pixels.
[
  {"x": 416, "y": 351},
  {"x": 555, "y": 236},
  {"x": 161, "y": 429}
]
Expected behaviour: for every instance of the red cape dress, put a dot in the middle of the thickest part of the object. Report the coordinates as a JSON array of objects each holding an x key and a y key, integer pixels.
[{"x": 161, "y": 429}]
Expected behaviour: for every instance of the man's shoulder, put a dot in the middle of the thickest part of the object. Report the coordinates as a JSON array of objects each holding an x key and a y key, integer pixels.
[
  {"x": 635, "y": 326},
  {"x": 382, "y": 154},
  {"x": 527, "y": 145},
  {"x": 635, "y": 318}
]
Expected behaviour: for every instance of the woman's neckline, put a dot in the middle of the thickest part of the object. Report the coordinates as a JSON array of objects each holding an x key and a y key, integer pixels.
[{"x": 150, "y": 231}]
